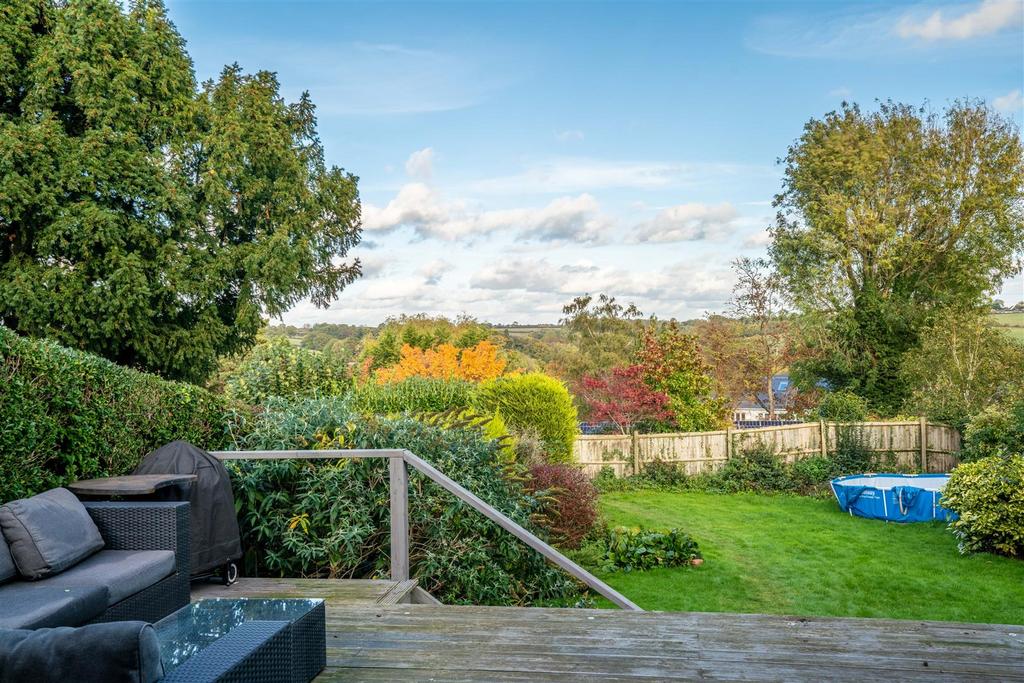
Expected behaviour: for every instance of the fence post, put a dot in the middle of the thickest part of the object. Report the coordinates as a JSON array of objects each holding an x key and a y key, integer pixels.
[
  {"x": 924, "y": 443},
  {"x": 824, "y": 438},
  {"x": 728, "y": 443},
  {"x": 399, "y": 490},
  {"x": 634, "y": 446}
]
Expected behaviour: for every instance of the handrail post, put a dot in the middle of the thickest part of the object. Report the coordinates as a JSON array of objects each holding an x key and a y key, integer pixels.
[{"x": 399, "y": 492}]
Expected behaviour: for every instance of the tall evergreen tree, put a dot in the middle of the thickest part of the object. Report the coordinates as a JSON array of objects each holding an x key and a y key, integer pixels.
[{"x": 142, "y": 218}]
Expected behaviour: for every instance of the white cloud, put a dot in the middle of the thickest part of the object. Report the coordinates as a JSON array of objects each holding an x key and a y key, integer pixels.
[
  {"x": 686, "y": 283},
  {"x": 435, "y": 270},
  {"x": 415, "y": 204},
  {"x": 420, "y": 164},
  {"x": 1011, "y": 102},
  {"x": 373, "y": 264},
  {"x": 842, "y": 91},
  {"x": 569, "y": 135},
  {"x": 687, "y": 222},
  {"x": 574, "y": 219},
  {"x": 989, "y": 17},
  {"x": 757, "y": 240}
]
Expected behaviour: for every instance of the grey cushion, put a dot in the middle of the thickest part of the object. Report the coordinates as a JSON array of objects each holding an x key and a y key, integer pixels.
[
  {"x": 122, "y": 572},
  {"x": 48, "y": 533},
  {"x": 119, "y": 651},
  {"x": 24, "y": 604},
  {"x": 7, "y": 569}
]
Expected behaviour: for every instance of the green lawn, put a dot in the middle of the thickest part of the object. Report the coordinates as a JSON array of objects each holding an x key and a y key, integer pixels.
[{"x": 802, "y": 556}]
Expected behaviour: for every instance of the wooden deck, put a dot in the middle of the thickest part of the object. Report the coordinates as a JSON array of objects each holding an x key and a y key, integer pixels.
[{"x": 372, "y": 636}]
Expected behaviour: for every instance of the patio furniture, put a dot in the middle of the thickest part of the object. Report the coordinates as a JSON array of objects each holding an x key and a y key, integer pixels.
[
  {"x": 216, "y": 541},
  {"x": 134, "y": 485},
  {"x": 68, "y": 563},
  {"x": 117, "y": 652},
  {"x": 244, "y": 639}
]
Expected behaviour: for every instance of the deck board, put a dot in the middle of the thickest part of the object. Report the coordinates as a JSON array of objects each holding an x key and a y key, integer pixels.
[{"x": 369, "y": 640}]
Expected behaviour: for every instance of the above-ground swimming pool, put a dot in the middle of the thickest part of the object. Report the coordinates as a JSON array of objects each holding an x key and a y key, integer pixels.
[{"x": 893, "y": 497}]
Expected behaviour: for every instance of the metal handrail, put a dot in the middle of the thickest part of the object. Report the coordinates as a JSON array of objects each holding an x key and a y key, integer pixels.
[{"x": 399, "y": 462}]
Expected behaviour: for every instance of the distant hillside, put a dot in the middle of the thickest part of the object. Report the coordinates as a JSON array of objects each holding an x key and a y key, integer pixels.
[{"x": 1012, "y": 323}]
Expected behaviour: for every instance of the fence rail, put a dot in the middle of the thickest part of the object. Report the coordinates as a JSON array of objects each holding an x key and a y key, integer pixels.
[
  {"x": 916, "y": 444},
  {"x": 399, "y": 462}
]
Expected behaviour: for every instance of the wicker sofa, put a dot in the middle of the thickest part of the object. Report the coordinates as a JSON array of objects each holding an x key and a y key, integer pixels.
[{"x": 133, "y": 577}]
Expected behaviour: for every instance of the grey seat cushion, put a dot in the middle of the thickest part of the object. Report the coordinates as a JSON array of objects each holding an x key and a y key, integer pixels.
[
  {"x": 125, "y": 651},
  {"x": 48, "y": 533},
  {"x": 25, "y": 604},
  {"x": 7, "y": 569},
  {"x": 122, "y": 572}
]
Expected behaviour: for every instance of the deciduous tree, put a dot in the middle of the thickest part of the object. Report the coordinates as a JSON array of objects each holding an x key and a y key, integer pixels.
[
  {"x": 885, "y": 217},
  {"x": 623, "y": 398},
  {"x": 604, "y": 332},
  {"x": 672, "y": 364},
  {"x": 963, "y": 365}
]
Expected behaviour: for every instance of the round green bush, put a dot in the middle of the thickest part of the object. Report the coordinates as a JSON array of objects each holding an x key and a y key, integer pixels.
[
  {"x": 534, "y": 403},
  {"x": 808, "y": 474},
  {"x": 758, "y": 468},
  {"x": 988, "y": 495},
  {"x": 842, "y": 406}
]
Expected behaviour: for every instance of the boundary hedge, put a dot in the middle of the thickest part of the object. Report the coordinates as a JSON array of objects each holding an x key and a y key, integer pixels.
[{"x": 67, "y": 415}]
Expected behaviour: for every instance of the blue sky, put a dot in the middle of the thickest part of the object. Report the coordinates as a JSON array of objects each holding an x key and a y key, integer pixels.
[{"x": 514, "y": 155}]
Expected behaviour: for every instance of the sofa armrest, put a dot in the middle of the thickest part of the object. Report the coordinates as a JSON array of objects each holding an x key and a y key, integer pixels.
[
  {"x": 145, "y": 526},
  {"x": 127, "y": 651}
]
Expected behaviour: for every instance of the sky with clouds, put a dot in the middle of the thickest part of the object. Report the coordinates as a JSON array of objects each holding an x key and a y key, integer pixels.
[{"x": 514, "y": 155}]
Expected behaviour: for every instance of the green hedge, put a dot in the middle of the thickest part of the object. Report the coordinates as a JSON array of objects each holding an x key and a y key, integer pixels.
[
  {"x": 67, "y": 415},
  {"x": 413, "y": 395}
]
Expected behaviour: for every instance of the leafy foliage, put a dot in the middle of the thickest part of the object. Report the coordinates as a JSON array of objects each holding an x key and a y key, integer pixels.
[
  {"x": 988, "y": 495},
  {"x": 69, "y": 415},
  {"x": 962, "y": 365},
  {"x": 808, "y": 474},
  {"x": 415, "y": 395},
  {"x": 534, "y": 402},
  {"x": 672, "y": 364},
  {"x": 997, "y": 430},
  {"x": 569, "y": 511},
  {"x": 421, "y": 332},
  {"x": 321, "y": 519},
  {"x": 604, "y": 333},
  {"x": 642, "y": 549},
  {"x": 446, "y": 361},
  {"x": 841, "y": 406},
  {"x": 886, "y": 217},
  {"x": 757, "y": 468},
  {"x": 851, "y": 454},
  {"x": 277, "y": 368},
  {"x": 623, "y": 398},
  {"x": 146, "y": 221}
]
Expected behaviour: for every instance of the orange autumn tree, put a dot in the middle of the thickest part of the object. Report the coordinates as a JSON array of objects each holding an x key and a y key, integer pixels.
[{"x": 446, "y": 361}]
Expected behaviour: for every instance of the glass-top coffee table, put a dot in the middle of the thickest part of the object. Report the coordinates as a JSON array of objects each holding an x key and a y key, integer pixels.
[{"x": 244, "y": 639}]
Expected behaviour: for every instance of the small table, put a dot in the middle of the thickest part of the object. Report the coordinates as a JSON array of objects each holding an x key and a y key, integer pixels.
[
  {"x": 129, "y": 485},
  {"x": 244, "y": 639}
]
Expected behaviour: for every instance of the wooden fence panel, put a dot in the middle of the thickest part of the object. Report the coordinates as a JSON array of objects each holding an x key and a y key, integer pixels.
[{"x": 915, "y": 445}]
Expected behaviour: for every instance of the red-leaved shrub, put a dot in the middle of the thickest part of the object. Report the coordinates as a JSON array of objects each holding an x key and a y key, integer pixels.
[{"x": 570, "y": 510}]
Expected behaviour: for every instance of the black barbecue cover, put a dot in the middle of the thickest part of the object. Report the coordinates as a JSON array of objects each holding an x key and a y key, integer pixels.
[{"x": 215, "y": 538}]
